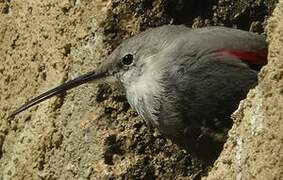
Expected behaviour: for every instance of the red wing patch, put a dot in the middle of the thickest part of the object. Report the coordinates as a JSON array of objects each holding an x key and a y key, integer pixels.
[{"x": 258, "y": 57}]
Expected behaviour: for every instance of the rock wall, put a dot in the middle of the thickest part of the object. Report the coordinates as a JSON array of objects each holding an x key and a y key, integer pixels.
[{"x": 91, "y": 132}]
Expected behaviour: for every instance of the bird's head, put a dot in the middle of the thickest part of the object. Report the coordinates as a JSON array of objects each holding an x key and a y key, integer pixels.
[{"x": 126, "y": 63}]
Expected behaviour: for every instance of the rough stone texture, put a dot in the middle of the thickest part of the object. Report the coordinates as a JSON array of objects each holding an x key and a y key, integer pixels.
[
  {"x": 91, "y": 133},
  {"x": 254, "y": 148}
]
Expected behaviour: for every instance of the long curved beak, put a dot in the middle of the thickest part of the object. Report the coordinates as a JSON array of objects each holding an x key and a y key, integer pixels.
[{"x": 90, "y": 76}]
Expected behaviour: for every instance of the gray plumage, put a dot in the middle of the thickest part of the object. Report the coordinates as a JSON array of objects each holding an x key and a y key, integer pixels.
[{"x": 181, "y": 81}]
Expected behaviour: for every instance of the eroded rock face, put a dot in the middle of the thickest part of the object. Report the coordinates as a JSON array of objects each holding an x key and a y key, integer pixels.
[{"x": 91, "y": 133}]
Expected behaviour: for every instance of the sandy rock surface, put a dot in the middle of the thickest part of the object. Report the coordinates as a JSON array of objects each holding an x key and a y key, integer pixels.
[{"x": 91, "y": 132}]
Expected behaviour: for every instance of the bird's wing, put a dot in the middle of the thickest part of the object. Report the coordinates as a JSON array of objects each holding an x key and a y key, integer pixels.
[
  {"x": 212, "y": 70},
  {"x": 249, "y": 48}
]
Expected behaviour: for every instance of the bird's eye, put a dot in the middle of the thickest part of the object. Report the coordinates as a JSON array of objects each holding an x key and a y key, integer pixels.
[{"x": 127, "y": 60}]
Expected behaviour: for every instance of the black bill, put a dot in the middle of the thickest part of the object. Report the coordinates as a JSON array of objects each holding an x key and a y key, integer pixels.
[{"x": 90, "y": 76}]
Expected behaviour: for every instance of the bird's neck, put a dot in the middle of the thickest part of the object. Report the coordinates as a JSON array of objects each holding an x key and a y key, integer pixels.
[{"x": 144, "y": 96}]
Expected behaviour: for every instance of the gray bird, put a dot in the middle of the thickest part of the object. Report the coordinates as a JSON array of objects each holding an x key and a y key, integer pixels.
[{"x": 186, "y": 82}]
